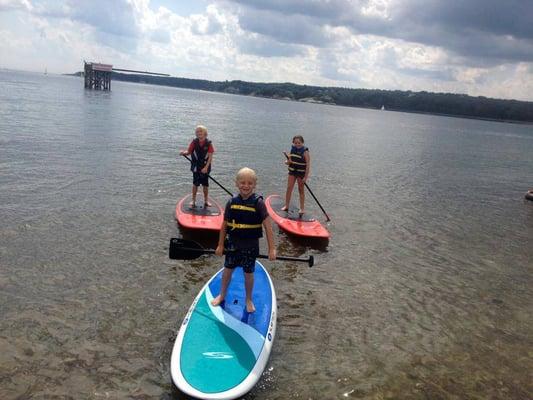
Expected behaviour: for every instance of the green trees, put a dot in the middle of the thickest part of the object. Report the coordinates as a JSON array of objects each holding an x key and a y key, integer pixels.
[{"x": 425, "y": 102}]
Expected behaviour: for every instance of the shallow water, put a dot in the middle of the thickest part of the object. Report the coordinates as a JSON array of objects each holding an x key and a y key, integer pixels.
[{"x": 424, "y": 290}]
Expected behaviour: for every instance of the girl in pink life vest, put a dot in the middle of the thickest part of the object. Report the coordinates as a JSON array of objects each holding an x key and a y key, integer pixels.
[{"x": 201, "y": 150}]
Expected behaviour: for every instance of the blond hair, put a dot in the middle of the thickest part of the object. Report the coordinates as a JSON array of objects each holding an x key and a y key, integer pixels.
[
  {"x": 201, "y": 128},
  {"x": 246, "y": 172}
]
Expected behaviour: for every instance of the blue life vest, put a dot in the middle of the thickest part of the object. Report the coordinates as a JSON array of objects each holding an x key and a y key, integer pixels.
[
  {"x": 244, "y": 221},
  {"x": 298, "y": 163},
  {"x": 199, "y": 155}
]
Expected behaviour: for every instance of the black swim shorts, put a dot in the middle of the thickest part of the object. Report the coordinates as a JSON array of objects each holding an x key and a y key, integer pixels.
[
  {"x": 200, "y": 179},
  {"x": 244, "y": 258}
]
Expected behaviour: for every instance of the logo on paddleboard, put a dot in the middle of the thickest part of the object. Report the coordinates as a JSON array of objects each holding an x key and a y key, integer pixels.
[{"x": 221, "y": 355}]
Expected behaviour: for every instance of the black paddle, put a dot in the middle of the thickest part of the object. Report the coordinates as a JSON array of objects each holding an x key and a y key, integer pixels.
[
  {"x": 312, "y": 194},
  {"x": 183, "y": 249},
  {"x": 213, "y": 179}
]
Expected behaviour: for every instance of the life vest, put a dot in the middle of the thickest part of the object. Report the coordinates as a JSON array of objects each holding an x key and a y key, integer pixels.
[
  {"x": 244, "y": 221},
  {"x": 298, "y": 163},
  {"x": 199, "y": 155}
]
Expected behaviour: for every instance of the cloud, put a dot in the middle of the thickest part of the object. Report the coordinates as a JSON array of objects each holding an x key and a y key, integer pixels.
[
  {"x": 387, "y": 44},
  {"x": 10, "y": 5},
  {"x": 208, "y": 24},
  {"x": 263, "y": 46},
  {"x": 484, "y": 29}
]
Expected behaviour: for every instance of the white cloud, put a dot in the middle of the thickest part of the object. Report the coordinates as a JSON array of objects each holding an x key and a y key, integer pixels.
[{"x": 370, "y": 44}]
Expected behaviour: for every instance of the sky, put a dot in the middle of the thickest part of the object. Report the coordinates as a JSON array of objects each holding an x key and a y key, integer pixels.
[{"x": 475, "y": 47}]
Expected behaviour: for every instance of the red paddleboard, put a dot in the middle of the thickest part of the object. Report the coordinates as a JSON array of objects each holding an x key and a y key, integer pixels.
[
  {"x": 291, "y": 222},
  {"x": 199, "y": 217}
]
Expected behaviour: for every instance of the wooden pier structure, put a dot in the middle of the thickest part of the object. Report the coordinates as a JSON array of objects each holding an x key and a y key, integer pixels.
[{"x": 98, "y": 76}]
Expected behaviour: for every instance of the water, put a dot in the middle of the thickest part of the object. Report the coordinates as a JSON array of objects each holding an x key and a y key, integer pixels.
[{"x": 424, "y": 290}]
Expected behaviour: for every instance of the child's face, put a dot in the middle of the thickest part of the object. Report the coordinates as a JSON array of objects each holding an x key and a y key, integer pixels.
[
  {"x": 201, "y": 134},
  {"x": 246, "y": 186},
  {"x": 298, "y": 143}
]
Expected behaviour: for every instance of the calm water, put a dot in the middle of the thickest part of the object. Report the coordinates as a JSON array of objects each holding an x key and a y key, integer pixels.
[{"x": 425, "y": 290}]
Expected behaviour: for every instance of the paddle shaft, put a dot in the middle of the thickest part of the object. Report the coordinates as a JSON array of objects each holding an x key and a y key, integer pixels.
[
  {"x": 213, "y": 179},
  {"x": 186, "y": 249},
  {"x": 312, "y": 194},
  {"x": 264, "y": 256}
]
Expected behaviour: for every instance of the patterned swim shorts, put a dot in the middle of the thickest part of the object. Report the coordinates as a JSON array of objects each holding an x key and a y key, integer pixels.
[{"x": 244, "y": 258}]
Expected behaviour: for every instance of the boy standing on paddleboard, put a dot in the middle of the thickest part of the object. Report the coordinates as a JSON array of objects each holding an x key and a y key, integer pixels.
[
  {"x": 201, "y": 150},
  {"x": 245, "y": 217}
]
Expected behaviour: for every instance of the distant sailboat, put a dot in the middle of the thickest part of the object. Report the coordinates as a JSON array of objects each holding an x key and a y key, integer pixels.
[
  {"x": 45, "y": 71},
  {"x": 382, "y": 107}
]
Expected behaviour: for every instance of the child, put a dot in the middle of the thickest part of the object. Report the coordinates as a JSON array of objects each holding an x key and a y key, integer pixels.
[
  {"x": 245, "y": 217},
  {"x": 299, "y": 163},
  {"x": 201, "y": 150}
]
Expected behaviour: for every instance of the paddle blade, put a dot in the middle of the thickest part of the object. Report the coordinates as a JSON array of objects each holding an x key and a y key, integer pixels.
[
  {"x": 181, "y": 249},
  {"x": 311, "y": 261}
]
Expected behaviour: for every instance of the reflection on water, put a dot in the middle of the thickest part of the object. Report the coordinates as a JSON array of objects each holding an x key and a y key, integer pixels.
[{"x": 424, "y": 290}]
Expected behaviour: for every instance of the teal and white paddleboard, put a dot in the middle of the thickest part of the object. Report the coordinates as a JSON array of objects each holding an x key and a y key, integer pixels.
[{"x": 221, "y": 352}]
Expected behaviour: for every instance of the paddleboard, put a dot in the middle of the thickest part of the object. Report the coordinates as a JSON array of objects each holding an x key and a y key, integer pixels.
[
  {"x": 291, "y": 222},
  {"x": 199, "y": 217},
  {"x": 221, "y": 352}
]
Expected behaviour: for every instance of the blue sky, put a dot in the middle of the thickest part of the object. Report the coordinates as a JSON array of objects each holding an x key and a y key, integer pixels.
[{"x": 477, "y": 47}]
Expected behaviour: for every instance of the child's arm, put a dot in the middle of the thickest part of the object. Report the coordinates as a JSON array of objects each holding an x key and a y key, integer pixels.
[
  {"x": 307, "y": 159},
  {"x": 267, "y": 224},
  {"x": 220, "y": 246},
  {"x": 287, "y": 158},
  {"x": 208, "y": 163},
  {"x": 188, "y": 151}
]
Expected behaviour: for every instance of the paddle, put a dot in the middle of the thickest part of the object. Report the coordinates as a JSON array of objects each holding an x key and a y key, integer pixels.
[
  {"x": 312, "y": 194},
  {"x": 213, "y": 179},
  {"x": 183, "y": 249}
]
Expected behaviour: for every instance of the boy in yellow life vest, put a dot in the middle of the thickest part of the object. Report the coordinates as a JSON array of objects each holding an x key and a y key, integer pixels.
[
  {"x": 299, "y": 165},
  {"x": 245, "y": 217}
]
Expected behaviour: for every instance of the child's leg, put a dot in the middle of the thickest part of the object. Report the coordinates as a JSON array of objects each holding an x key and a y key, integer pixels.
[
  {"x": 249, "y": 285},
  {"x": 226, "y": 279},
  {"x": 290, "y": 185},
  {"x": 194, "y": 191},
  {"x": 206, "y": 196},
  {"x": 301, "y": 191}
]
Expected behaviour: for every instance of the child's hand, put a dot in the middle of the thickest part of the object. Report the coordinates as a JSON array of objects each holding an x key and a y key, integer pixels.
[
  {"x": 272, "y": 254},
  {"x": 183, "y": 152},
  {"x": 204, "y": 170},
  {"x": 219, "y": 250}
]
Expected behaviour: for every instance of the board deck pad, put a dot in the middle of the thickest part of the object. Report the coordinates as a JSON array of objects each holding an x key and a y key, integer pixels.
[
  {"x": 277, "y": 204},
  {"x": 290, "y": 221},
  {"x": 199, "y": 209},
  {"x": 220, "y": 352},
  {"x": 200, "y": 216}
]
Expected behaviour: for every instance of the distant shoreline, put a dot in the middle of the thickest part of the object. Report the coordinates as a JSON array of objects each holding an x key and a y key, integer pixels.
[{"x": 441, "y": 104}]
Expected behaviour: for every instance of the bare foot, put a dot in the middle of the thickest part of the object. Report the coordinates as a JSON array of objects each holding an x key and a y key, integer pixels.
[
  {"x": 284, "y": 208},
  {"x": 217, "y": 300},
  {"x": 192, "y": 204},
  {"x": 250, "y": 306},
  {"x": 301, "y": 213},
  {"x": 207, "y": 204}
]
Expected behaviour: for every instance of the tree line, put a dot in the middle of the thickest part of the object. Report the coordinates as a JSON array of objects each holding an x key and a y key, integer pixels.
[{"x": 422, "y": 102}]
